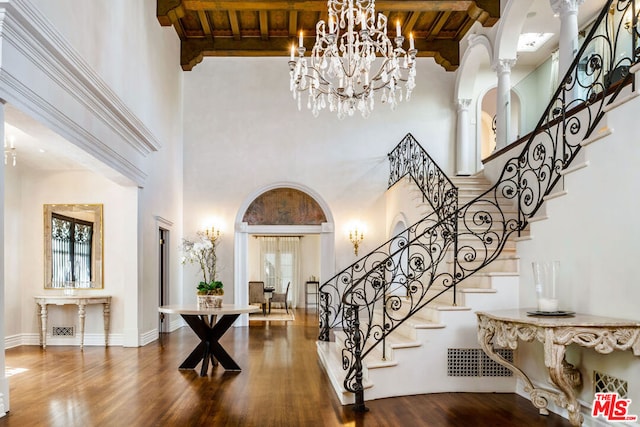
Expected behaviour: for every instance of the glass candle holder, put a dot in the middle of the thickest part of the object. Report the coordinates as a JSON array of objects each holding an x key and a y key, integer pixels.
[{"x": 545, "y": 278}]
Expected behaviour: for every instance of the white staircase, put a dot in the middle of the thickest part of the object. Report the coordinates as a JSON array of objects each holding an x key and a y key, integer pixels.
[{"x": 416, "y": 354}]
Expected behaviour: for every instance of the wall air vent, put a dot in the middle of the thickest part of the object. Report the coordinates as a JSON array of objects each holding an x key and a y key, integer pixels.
[
  {"x": 63, "y": 331},
  {"x": 474, "y": 362},
  {"x": 604, "y": 383}
]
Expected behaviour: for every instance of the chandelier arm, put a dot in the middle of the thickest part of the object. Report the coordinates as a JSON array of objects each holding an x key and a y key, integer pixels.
[{"x": 348, "y": 45}]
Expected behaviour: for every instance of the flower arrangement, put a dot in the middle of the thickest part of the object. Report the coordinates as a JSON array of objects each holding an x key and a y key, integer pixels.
[{"x": 202, "y": 251}]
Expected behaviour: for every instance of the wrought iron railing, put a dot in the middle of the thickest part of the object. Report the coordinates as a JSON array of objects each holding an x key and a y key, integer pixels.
[
  {"x": 414, "y": 261},
  {"x": 408, "y": 158}
]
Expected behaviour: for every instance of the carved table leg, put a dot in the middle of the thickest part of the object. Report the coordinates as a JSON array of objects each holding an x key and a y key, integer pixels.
[
  {"x": 81, "y": 316},
  {"x": 489, "y": 329},
  {"x": 106, "y": 313},
  {"x": 539, "y": 397},
  {"x": 565, "y": 376},
  {"x": 43, "y": 325}
]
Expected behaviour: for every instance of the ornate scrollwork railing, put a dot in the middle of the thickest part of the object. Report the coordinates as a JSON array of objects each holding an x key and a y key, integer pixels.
[
  {"x": 409, "y": 158},
  {"x": 415, "y": 267}
]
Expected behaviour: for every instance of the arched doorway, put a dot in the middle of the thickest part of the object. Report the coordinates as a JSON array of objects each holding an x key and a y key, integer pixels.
[
  {"x": 399, "y": 225},
  {"x": 281, "y": 209},
  {"x": 487, "y": 125}
]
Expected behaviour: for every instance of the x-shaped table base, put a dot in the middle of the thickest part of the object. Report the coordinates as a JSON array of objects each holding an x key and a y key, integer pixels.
[{"x": 209, "y": 331}]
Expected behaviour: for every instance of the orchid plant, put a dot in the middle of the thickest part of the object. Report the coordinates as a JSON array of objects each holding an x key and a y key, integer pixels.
[{"x": 202, "y": 251}]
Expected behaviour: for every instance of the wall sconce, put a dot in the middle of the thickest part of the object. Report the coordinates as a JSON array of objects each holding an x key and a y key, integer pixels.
[
  {"x": 356, "y": 238},
  {"x": 9, "y": 151},
  {"x": 212, "y": 234}
]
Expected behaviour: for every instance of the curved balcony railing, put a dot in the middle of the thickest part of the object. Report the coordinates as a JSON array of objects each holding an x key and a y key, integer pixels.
[
  {"x": 413, "y": 268},
  {"x": 409, "y": 158}
]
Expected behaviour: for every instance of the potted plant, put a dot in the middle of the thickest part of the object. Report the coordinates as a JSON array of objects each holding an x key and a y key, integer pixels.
[
  {"x": 202, "y": 251},
  {"x": 211, "y": 288}
]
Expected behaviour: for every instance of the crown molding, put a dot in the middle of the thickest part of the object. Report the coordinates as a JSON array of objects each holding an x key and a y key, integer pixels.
[
  {"x": 19, "y": 94},
  {"x": 33, "y": 36}
]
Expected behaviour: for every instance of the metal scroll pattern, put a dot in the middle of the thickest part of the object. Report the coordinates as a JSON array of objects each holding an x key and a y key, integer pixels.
[
  {"x": 409, "y": 158},
  {"x": 392, "y": 283}
]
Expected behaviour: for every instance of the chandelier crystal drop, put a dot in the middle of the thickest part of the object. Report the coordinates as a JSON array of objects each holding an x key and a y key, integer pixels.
[{"x": 339, "y": 75}]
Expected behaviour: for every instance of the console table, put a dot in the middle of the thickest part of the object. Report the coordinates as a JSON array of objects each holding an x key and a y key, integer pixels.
[
  {"x": 81, "y": 301},
  {"x": 504, "y": 328}
]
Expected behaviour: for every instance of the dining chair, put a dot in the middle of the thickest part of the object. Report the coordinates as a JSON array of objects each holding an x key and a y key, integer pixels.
[
  {"x": 256, "y": 295},
  {"x": 281, "y": 297}
]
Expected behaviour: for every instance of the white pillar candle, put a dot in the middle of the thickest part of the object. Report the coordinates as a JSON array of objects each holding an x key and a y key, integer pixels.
[
  {"x": 547, "y": 304},
  {"x": 398, "y": 32}
]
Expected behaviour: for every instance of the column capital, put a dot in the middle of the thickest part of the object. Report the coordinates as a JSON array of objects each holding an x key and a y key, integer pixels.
[
  {"x": 463, "y": 104},
  {"x": 565, "y": 7},
  {"x": 503, "y": 66}
]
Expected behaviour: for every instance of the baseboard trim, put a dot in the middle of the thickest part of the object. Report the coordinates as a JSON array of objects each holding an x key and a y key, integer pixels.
[{"x": 90, "y": 340}]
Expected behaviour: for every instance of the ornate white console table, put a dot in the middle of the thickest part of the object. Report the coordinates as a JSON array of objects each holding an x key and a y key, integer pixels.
[
  {"x": 603, "y": 334},
  {"x": 81, "y": 301}
]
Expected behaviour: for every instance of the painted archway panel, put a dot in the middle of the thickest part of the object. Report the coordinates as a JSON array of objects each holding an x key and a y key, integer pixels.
[{"x": 284, "y": 206}]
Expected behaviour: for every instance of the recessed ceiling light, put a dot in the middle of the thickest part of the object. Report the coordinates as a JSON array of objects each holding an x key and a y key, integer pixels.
[
  {"x": 42, "y": 150},
  {"x": 530, "y": 42}
]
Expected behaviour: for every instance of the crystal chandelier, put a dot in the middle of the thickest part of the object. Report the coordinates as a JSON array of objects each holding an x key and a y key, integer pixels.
[{"x": 339, "y": 74}]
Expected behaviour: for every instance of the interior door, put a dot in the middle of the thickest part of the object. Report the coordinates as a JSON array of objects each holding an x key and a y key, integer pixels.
[{"x": 163, "y": 277}]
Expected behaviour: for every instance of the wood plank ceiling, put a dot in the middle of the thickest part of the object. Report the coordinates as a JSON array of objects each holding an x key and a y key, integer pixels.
[{"x": 268, "y": 27}]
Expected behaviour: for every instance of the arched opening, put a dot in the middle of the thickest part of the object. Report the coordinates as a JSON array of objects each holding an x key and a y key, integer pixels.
[
  {"x": 488, "y": 125},
  {"x": 399, "y": 225},
  {"x": 284, "y": 233},
  {"x": 474, "y": 76}
]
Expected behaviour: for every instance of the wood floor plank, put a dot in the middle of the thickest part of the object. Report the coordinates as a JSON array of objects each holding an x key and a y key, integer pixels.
[{"x": 281, "y": 384}]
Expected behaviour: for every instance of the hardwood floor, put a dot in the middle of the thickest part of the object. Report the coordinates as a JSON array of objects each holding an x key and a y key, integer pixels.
[{"x": 281, "y": 384}]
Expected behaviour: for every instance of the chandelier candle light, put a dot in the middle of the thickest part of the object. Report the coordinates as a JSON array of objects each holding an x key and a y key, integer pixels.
[{"x": 338, "y": 74}]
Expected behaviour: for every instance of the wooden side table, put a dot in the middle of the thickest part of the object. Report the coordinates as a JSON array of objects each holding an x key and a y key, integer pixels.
[
  {"x": 209, "y": 324},
  {"x": 504, "y": 328},
  {"x": 313, "y": 292}
]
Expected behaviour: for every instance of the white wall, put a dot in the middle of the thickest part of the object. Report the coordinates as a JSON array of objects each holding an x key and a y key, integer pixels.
[
  {"x": 116, "y": 93},
  {"x": 24, "y": 244},
  {"x": 535, "y": 90},
  {"x": 243, "y": 131},
  {"x": 594, "y": 234}
]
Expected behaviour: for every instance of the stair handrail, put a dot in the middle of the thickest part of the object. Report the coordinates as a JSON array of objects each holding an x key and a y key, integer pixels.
[
  {"x": 525, "y": 179},
  {"x": 407, "y": 158},
  {"x": 410, "y": 158}
]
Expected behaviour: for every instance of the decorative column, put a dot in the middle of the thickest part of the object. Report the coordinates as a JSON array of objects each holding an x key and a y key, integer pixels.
[
  {"x": 567, "y": 10},
  {"x": 4, "y": 384},
  {"x": 464, "y": 153},
  {"x": 503, "y": 101}
]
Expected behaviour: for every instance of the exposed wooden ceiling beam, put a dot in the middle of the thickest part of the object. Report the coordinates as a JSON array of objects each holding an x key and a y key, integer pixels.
[
  {"x": 319, "y": 5},
  {"x": 166, "y": 8},
  {"x": 487, "y": 12},
  {"x": 264, "y": 25},
  {"x": 444, "y": 51},
  {"x": 411, "y": 22},
  {"x": 437, "y": 26},
  {"x": 204, "y": 21},
  {"x": 293, "y": 23},
  {"x": 235, "y": 26}
]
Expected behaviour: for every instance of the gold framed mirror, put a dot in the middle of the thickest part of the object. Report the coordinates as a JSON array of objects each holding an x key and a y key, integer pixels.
[{"x": 73, "y": 246}]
